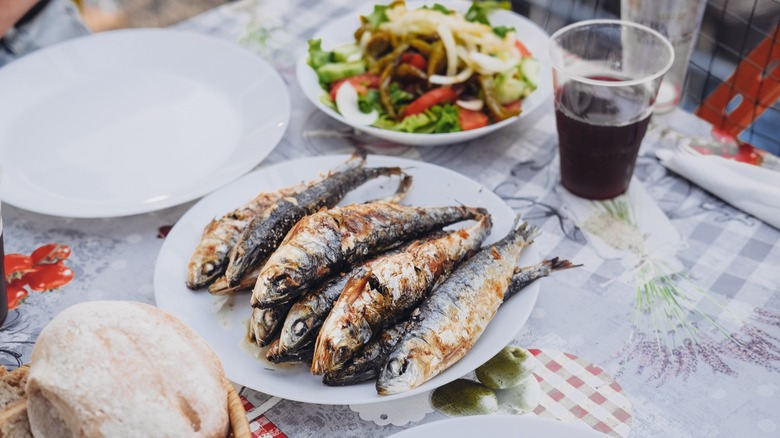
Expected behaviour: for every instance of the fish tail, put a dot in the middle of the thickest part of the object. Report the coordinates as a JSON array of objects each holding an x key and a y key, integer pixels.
[
  {"x": 403, "y": 189},
  {"x": 527, "y": 231},
  {"x": 556, "y": 264}
]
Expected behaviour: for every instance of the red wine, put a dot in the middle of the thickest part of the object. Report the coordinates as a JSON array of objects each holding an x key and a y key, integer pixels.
[{"x": 600, "y": 129}]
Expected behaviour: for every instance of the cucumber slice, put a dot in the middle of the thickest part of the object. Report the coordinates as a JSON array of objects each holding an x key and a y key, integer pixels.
[
  {"x": 346, "y": 52},
  {"x": 340, "y": 70},
  {"x": 531, "y": 69}
]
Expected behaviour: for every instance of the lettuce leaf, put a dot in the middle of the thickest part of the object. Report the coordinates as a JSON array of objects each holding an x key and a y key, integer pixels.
[
  {"x": 478, "y": 12},
  {"x": 317, "y": 57},
  {"x": 377, "y": 16},
  {"x": 436, "y": 120}
]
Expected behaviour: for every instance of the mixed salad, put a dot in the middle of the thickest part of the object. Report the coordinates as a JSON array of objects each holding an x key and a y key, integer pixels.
[{"x": 427, "y": 70}]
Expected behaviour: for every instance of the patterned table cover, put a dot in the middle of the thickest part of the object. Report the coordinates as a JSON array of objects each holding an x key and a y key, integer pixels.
[{"x": 718, "y": 375}]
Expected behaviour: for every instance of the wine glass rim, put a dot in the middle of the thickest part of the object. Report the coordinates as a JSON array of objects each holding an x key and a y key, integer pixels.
[{"x": 612, "y": 83}]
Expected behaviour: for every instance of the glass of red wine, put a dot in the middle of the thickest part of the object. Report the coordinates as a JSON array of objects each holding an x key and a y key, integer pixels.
[{"x": 606, "y": 75}]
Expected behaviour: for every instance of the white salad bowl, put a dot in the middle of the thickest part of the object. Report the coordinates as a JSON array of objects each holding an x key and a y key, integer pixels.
[{"x": 342, "y": 30}]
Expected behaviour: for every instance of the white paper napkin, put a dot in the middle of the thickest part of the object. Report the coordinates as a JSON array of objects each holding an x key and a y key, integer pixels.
[{"x": 750, "y": 188}]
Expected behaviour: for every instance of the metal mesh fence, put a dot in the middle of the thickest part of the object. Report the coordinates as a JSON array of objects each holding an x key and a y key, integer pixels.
[{"x": 730, "y": 30}]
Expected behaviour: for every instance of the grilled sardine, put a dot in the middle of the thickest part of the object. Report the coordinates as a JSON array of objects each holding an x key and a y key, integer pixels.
[
  {"x": 365, "y": 365},
  {"x": 386, "y": 291},
  {"x": 454, "y": 315},
  {"x": 264, "y": 233},
  {"x": 210, "y": 258},
  {"x": 325, "y": 242}
]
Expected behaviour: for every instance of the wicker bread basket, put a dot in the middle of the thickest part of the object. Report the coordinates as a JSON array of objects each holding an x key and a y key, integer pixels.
[{"x": 239, "y": 425}]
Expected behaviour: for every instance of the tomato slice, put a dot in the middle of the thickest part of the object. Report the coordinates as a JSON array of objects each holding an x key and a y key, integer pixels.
[
  {"x": 524, "y": 52},
  {"x": 49, "y": 276},
  {"x": 434, "y": 97},
  {"x": 514, "y": 106},
  {"x": 51, "y": 253},
  {"x": 361, "y": 83},
  {"x": 16, "y": 265},
  {"x": 414, "y": 59},
  {"x": 469, "y": 119}
]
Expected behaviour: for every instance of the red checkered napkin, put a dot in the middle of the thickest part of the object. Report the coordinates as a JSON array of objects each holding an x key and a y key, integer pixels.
[
  {"x": 260, "y": 426},
  {"x": 574, "y": 390}
]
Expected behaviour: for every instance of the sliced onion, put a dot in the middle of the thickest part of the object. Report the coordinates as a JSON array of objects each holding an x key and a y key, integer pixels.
[
  {"x": 364, "y": 39},
  {"x": 490, "y": 64},
  {"x": 472, "y": 104},
  {"x": 463, "y": 76},
  {"x": 450, "y": 47},
  {"x": 347, "y": 104}
]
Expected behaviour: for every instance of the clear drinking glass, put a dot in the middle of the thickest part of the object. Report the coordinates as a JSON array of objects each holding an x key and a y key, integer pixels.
[
  {"x": 677, "y": 20},
  {"x": 606, "y": 75}
]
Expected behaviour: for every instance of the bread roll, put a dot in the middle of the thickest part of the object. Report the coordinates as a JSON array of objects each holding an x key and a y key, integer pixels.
[{"x": 117, "y": 368}]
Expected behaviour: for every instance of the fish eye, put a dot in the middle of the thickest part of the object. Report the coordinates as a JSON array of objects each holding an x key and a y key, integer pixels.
[
  {"x": 280, "y": 278},
  {"x": 397, "y": 366},
  {"x": 207, "y": 268},
  {"x": 269, "y": 319},
  {"x": 299, "y": 328}
]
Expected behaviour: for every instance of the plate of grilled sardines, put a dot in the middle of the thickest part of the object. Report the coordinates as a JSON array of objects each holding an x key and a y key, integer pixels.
[{"x": 349, "y": 280}]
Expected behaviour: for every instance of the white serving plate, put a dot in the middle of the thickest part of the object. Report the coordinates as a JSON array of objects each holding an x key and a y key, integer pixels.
[
  {"x": 132, "y": 121},
  {"x": 341, "y": 31},
  {"x": 225, "y": 330}
]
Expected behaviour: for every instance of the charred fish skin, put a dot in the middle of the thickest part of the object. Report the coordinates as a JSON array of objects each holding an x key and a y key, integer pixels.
[
  {"x": 386, "y": 291},
  {"x": 265, "y": 324},
  {"x": 454, "y": 315},
  {"x": 310, "y": 252},
  {"x": 323, "y": 243},
  {"x": 369, "y": 360},
  {"x": 211, "y": 256},
  {"x": 310, "y": 310},
  {"x": 264, "y": 233},
  {"x": 304, "y": 354},
  {"x": 366, "y": 364},
  {"x": 307, "y": 314}
]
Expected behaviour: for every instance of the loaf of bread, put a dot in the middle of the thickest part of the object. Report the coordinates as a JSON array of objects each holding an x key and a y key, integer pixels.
[
  {"x": 117, "y": 368},
  {"x": 13, "y": 403}
]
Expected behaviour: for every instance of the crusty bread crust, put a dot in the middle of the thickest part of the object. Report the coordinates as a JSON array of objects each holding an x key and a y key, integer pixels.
[
  {"x": 12, "y": 385},
  {"x": 13, "y": 403},
  {"x": 118, "y": 368}
]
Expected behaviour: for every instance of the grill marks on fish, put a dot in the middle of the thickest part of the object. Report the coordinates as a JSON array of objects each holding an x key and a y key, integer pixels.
[
  {"x": 210, "y": 257},
  {"x": 306, "y": 316},
  {"x": 212, "y": 254},
  {"x": 327, "y": 241},
  {"x": 303, "y": 354},
  {"x": 387, "y": 290},
  {"x": 454, "y": 315},
  {"x": 366, "y": 364},
  {"x": 264, "y": 325},
  {"x": 264, "y": 233}
]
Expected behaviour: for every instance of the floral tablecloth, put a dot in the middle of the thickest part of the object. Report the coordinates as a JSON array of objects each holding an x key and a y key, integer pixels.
[{"x": 615, "y": 353}]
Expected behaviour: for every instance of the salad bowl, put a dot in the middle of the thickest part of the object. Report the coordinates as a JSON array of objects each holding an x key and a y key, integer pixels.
[{"x": 342, "y": 31}]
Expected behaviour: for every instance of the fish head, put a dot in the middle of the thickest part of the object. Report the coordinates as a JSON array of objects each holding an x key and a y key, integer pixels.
[
  {"x": 339, "y": 345},
  {"x": 300, "y": 331},
  {"x": 403, "y": 371},
  {"x": 275, "y": 284},
  {"x": 201, "y": 273}
]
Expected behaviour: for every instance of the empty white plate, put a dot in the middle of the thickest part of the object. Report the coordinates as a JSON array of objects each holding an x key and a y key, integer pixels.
[{"x": 132, "y": 121}]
